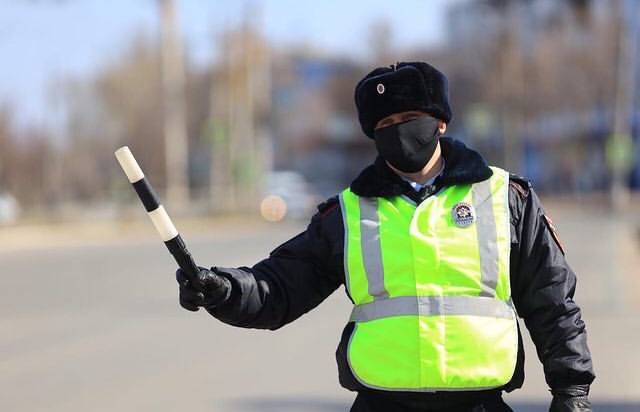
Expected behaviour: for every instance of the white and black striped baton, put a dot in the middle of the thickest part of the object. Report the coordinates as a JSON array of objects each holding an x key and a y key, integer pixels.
[{"x": 156, "y": 211}]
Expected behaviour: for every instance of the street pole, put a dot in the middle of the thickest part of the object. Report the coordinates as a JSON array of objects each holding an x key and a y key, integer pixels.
[
  {"x": 620, "y": 154},
  {"x": 173, "y": 102}
]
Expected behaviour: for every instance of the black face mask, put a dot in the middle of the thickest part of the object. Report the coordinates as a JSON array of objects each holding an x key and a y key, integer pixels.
[{"x": 409, "y": 145}]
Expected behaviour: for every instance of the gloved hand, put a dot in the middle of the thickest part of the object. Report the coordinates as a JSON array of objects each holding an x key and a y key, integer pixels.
[
  {"x": 571, "y": 399},
  {"x": 207, "y": 289}
]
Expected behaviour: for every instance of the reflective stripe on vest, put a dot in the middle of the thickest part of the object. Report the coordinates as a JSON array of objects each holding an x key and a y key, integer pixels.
[{"x": 432, "y": 299}]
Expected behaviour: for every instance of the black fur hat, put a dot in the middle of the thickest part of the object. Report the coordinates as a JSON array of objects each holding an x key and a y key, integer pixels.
[{"x": 402, "y": 87}]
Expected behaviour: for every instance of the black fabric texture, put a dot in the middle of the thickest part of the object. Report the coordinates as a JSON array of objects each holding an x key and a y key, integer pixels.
[
  {"x": 409, "y": 145},
  {"x": 462, "y": 166},
  {"x": 484, "y": 401},
  {"x": 571, "y": 399},
  {"x": 402, "y": 87}
]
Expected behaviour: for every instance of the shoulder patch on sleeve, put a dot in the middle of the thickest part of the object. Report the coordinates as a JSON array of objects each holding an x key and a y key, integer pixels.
[
  {"x": 328, "y": 206},
  {"x": 520, "y": 184},
  {"x": 554, "y": 233}
]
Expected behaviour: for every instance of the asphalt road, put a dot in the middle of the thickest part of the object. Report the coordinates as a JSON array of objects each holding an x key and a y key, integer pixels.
[{"x": 92, "y": 323}]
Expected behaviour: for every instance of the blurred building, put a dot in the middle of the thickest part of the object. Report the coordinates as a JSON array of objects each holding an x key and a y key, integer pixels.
[
  {"x": 553, "y": 79},
  {"x": 544, "y": 88},
  {"x": 315, "y": 127},
  {"x": 536, "y": 86},
  {"x": 280, "y": 111}
]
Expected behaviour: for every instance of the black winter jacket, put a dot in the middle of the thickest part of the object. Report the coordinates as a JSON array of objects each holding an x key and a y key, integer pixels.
[{"x": 302, "y": 272}]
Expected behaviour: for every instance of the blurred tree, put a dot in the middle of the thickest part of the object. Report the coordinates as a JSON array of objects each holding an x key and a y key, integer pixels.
[
  {"x": 23, "y": 155},
  {"x": 89, "y": 139},
  {"x": 381, "y": 41},
  {"x": 31, "y": 174},
  {"x": 174, "y": 107},
  {"x": 7, "y": 148},
  {"x": 239, "y": 115},
  {"x": 521, "y": 72},
  {"x": 127, "y": 94},
  {"x": 544, "y": 70}
]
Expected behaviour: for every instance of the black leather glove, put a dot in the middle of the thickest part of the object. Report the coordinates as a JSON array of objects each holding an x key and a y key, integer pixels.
[
  {"x": 207, "y": 289},
  {"x": 571, "y": 399}
]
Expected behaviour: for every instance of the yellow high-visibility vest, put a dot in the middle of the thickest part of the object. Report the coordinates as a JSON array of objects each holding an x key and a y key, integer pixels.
[{"x": 430, "y": 285}]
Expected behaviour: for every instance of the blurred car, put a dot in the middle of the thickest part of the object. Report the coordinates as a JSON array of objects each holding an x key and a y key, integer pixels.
[
  {"x": 287, "y": 195},
  {"x": 9, "y": 208}
]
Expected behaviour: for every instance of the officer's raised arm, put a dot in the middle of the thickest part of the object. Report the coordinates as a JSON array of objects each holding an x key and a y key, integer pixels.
[{"x": 296, "y": 277}]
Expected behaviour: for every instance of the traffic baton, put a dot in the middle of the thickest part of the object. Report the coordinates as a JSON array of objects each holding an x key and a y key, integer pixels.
[{"x": 156, "y": 211}]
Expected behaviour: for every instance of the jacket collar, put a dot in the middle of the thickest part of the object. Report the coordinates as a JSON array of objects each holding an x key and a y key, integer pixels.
[{"x": 462, "y": 166}]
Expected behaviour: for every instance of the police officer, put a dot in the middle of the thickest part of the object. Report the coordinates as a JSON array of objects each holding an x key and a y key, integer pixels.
[{"x": 438, "y": 253}]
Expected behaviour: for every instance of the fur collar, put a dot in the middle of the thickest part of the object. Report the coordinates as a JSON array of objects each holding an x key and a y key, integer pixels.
[{"x": 462, "y": 166}]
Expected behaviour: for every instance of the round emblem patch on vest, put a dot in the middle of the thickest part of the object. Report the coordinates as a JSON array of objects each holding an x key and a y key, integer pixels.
[
  {"x": 463, "y": 214},
  {"x": 380, "y": 88}
]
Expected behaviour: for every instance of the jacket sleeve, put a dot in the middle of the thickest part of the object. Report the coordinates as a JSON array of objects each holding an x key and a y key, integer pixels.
[
  {"x": 543, "y": 287},
  {"x": 296, "y": 277}
]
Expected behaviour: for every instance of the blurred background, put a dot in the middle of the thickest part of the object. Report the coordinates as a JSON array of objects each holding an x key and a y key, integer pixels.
[{"x": 241, "y": 114}]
